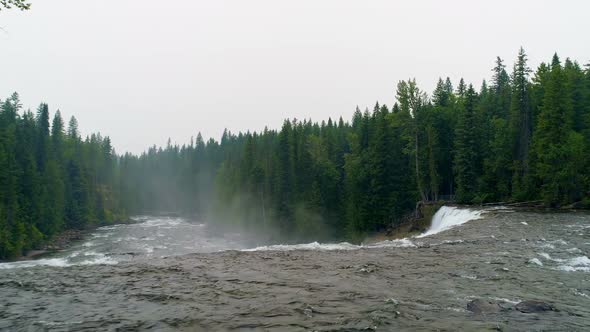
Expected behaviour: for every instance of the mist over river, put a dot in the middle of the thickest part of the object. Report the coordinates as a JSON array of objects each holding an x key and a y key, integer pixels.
[{"x": 170, "y": 274}]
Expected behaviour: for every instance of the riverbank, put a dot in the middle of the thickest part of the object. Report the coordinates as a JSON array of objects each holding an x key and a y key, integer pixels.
[
  {"x": 60, "y": 242},
  {"x": 411, "y": 224}
]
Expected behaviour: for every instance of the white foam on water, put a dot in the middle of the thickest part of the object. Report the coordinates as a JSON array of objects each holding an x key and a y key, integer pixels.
[
  {"x": 578, "y": 293},
  {"x": 452, "y": 241},
  {"x": 96, "y": 259},
  {"x": 140, "y": 218},
  {"x": 448, "y": 217},
  {"x": 547, "y": 245},
  {"x": 163, "y": 222},
  {"x": 505, "y": 300},
  {"x": 560, "y": 242},
  {"x": 500, "y": 208},
  {"x": 536, "y": 261},
  {"x": 445, "y": 218},
  {"x": 548, "y": 257},
  {"x": 48, "y": 323},
  {"x": 110, "y": 228},
  {"x": 58, "y": 262},
  {"x": 403, "y": 243},
  {"x": 306, "y": 246},
  {"x": 580, "y": 263},
  {"x": 581, "y": 226}
]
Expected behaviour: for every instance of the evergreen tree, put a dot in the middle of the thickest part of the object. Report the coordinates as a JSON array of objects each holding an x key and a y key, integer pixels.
[
  {"x": 555, "y": 143},
  {"x": 518, "y": 139},
  {"x": 466, "y": 153},
  {"x": 520, "y": 124},
  {"x": 73, "y": 132}
]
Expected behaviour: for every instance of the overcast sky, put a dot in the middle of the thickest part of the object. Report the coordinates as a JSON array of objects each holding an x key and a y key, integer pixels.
[{"x": 141, "y": 71}]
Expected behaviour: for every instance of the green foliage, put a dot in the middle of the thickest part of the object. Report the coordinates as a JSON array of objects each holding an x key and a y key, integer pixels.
[
  {"x": 48, "y": 181},
  {"x": 319, "y": 180},
  {"x": 517, "y": 139},
  {"x": 466, "y": 148}
]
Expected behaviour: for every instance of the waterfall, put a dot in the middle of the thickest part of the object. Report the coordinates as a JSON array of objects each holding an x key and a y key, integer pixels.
[{"x": 448, "y": 217}]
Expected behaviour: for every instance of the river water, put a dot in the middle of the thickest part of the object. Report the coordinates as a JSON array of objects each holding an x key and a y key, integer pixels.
[{"x": 170, "y": 274}]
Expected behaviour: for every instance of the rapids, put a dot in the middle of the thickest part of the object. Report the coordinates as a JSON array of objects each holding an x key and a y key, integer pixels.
[{"x": 171, "y": 274}]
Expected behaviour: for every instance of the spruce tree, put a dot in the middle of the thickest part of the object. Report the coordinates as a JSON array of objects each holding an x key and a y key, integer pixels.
[
  {"x": 551, "y": 137},
  {"x": 520, "y": 124},
  {"x": 466, "y": 150}
]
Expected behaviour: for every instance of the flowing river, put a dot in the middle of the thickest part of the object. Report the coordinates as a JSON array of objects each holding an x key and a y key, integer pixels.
[{"x": 171, "y": 274}]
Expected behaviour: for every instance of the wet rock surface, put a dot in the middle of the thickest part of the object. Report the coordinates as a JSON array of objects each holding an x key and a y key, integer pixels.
[
  {"x": 484, "y": 307},
  {"x": 440, "y": 283},
  {"x": 534, "y": 306}
]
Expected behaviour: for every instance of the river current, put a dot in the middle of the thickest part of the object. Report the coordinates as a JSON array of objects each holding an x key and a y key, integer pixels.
[{"x": 170, "y": 274}]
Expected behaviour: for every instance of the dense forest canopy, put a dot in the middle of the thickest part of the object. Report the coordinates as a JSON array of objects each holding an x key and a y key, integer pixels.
[
  {"x": 525, "y": 135},
  {"x": 51, "y": 179}
]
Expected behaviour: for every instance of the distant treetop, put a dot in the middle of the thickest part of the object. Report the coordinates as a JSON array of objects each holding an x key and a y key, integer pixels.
[{"x": 19, "y": 4}]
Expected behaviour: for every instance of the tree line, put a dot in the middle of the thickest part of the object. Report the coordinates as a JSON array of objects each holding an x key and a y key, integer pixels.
[
  {"x": 51, "y": 179},
  {"x": 524, "y": 135}
]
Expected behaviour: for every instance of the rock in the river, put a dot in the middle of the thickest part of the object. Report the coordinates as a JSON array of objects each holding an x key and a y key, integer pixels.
[
  {"x": 534, "y": 306},
  {"x": 480, "y": 306}
]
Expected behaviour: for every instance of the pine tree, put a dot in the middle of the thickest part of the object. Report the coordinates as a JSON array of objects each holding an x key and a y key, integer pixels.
[
  {"x": 73, "y": 132},
  {"x": 551, "y": 137},
  {"x": 57, "y": 134},
  {"x": 285, "y": 183},
  {"x": 466, "y": 150},
  {"x": 411, "y": 100},
  {"x": 501, "y": 87},
  {"x": 461, "y": 88},
  {"x": 520, "y": 124}
]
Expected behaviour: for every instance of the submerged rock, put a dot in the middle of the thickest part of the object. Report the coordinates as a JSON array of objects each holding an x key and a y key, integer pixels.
[
  {"x": 534, "y": 306},
  {"x": 480, "y": 306}
]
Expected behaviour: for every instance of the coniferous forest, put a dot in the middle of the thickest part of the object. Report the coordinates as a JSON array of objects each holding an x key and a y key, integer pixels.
[
  {"x": 524, "y": 135},
  {"x": 51, "y": 179}
]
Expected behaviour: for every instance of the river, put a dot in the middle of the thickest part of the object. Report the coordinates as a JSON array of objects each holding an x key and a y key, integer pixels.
[{"x": 173, "y": 274}]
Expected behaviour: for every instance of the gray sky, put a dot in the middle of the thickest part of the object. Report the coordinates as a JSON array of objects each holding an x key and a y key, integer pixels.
[{"x": 141, "y": 71}]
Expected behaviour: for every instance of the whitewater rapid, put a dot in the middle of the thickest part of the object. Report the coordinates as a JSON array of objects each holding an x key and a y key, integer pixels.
[
  {"x": 402, "y": 243},
  {"x": 149, "y": 237},
  {"x": 170, "y": 274},
  {"x": 153, "y": 237},
  {"x": 445, "y": 218},
  {"x": 164, "y": 236}
]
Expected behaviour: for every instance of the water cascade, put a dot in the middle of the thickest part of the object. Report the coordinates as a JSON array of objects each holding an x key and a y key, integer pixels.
[{"x": 448, "y": 217}]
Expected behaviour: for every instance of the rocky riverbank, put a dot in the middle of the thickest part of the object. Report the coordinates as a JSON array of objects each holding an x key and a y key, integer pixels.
[
  {"x": 413, "y": 223},
  {"x": 60, "y": 242}
]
